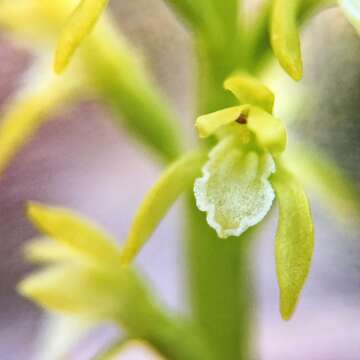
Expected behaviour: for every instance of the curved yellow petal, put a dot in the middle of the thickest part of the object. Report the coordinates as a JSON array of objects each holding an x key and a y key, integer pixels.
[
  {"x": 34, "y": 20},
  {"x": 208, "y": 124},
  {"x": 29, "y": 110},
  {"x": 77, "y": 28},
  {"x": 174, "y": 181},
  {"x": 285, "y": 38},
  {"x": 43, "y": 251},
  {"x": 81, "y": 290},
  {"x": 249, "y": 90},
  {"x": 269, "y": 131},
  {"x": 75, "y": 232},
  {"x": 294, "y": 240}
]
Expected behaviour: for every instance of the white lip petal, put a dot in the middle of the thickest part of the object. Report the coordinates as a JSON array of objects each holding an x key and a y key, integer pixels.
[
  {"x": 351, "y": 9},
  {"x": 234, "y": 189}
]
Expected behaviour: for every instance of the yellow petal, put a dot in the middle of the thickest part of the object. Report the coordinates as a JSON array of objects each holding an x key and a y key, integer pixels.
[
  {"x": 34, "y": 20},
  {"x": 47, "y": 251},
  {"x": 249, "y": 90},
  {"x": 76, "y": 290},
  {"x": 75, "y": 232},
  {"x": 285, "y": 38},
  {"x": 294, "y": 240},
  {"x": 77, "y": 28},
  {"x": 29, "y": 110},
  {"x": 208, "y": 124},
  {"x": 174, "y": 181},
  {"x": 269, "y": 131}
]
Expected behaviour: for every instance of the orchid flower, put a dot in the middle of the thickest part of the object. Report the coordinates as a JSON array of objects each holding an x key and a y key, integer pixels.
[{"x": 242, "y": 176}]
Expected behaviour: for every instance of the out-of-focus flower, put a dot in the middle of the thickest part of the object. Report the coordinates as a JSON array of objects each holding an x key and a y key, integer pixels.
[
  {"x": 40, "y": 21},
  {"x": 83, "y": 276},
  {"x": 107, "y": 66},
  {"x": 41, "y": 94}
]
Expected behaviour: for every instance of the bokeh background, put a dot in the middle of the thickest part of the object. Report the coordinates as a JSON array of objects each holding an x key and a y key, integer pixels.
[{"x": 81, "y": 160}]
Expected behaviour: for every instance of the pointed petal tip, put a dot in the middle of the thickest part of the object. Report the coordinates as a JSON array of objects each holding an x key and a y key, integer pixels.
[
  {"x": 58, "y": 66},
  {"x": 25, "y": 288},
  {"x": 287, "y": 309},
  {"x": 34, "y": 210},
  {"x": 293, "y": 67}
]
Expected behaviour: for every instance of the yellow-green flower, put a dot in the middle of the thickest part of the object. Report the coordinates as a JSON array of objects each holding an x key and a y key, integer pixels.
[
  {"x": 82, "y": 276},
  {"x": 245, "y": 173},
  {"x": 235, "y": 188},
  {"x": 98, "y": 70}
]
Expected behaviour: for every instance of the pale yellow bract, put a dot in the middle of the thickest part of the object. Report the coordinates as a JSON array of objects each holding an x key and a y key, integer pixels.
[{"x": 78, "y": 26}]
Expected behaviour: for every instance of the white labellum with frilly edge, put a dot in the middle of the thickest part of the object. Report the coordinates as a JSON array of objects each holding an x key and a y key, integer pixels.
[{"x": 235, "y": 190}]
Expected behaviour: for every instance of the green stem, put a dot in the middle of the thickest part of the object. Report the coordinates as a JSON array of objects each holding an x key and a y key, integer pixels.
[
  {"x": 143, "y": 317},
  {"x": 219, "y": 286},
  {"x": 218, "y": 270},
  {"x": 122, "y": 81}
]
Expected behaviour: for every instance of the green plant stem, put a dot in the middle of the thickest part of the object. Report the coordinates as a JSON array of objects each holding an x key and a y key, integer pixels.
[
  {"x": 219, "y": 286},
  {"x": 115, "y": 71},
  {"x": 145, "y": 318},
  {"x": 219, "y": 283}
]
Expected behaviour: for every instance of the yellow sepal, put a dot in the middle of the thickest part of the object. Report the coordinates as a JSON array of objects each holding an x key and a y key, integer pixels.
[
  {"x": 174, "y": 181},
  {"x": 46, "y": 251},
  {"x": 78, "y": 26},
  {"x": 75, "y": 232},
  {"x": 208, "y": 124},
  {"x": 294, "y": 245},
  {"x": 30, "y": 109},
  {"x": 285, "y": 38},
  {"x": 249, "y": 90},
  {"x": 269, "y": 131}
]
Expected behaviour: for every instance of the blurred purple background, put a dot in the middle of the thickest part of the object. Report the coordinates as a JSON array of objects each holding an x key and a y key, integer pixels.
[{"x": 82, "y": 161}]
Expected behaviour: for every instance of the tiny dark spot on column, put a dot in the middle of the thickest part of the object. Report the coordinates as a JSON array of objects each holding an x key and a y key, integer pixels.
[{"x": 242, "y": 119}]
